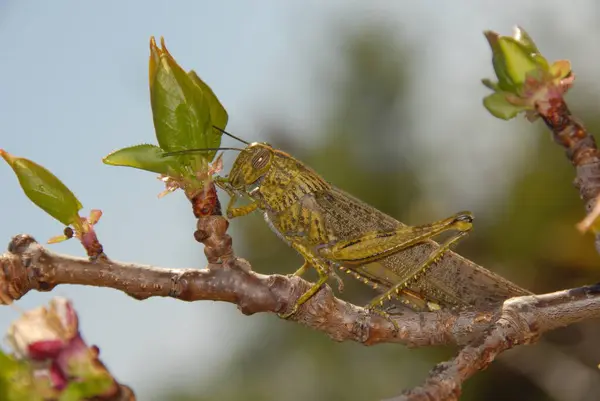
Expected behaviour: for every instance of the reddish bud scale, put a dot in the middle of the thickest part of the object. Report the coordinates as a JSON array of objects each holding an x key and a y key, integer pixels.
[
  {"x": 45, "y": 349},
  {"x": 206, "y": 202},
  {"x": 580, "y": 146},
  {"x": 568, "y": 132},
  {"x": 57, "y": 376},
  {"x": 92, "y": 246}
]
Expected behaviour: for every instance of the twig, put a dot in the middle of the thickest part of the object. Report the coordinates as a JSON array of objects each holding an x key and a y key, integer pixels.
[
  {"x": 29, "y": 266},
  {"x": 580, "y": 146},
  {"x": 522, "y": 321},
  {"x": 519, "y": 322},
  {"x": 484, "y": 334}
]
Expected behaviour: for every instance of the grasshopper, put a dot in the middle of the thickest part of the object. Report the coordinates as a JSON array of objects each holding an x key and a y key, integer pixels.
[{"x": 332, "y": 229}]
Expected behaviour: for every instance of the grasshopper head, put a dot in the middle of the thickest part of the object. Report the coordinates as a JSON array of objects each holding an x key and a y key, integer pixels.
[{"x": 251, "y": 165}]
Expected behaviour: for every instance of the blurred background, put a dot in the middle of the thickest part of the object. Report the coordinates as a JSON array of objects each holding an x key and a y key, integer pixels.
[{"x": 382, "y": 98}]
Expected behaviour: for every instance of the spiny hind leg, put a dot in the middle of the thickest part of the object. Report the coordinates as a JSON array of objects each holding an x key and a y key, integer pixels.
[
  {"x": 407, "y": 297},
  {"x": 379, "y": 244},
  {"x": 433, "y": 257},
  {"x": 386, "y": 316}
]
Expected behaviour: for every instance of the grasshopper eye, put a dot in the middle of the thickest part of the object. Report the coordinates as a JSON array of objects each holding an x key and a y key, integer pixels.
[{"x": 261, "y": 159}]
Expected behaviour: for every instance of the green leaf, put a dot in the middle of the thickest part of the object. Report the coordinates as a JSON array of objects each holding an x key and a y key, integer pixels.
[
  {"x": 181, "y": 118},
  {"x": 505, "y": 82},
  {"x": 88, "y": 388},
  {"x": 44, "y": 189},
  {"x": 58, "y": 238},
  {"x": 489, "y": 84},
  {"x": 497, "y": 104},
  {"x": 16, "y": 382},
  {"x": 218, "y": 114},
  {"x": 145, "y": 157},
  {"x": 521, "y": 36},
  {"x": 181, "y": 113},
  {"x": 517, "y": 60},
  {"x": 541, "y": 61}
]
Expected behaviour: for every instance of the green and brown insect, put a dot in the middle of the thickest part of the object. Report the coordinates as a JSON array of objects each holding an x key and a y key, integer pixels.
[{"x": 331, "y": 229}]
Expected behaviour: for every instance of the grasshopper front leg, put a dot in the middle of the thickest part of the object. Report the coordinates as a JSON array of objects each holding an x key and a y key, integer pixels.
[
  {"x": 379, "y": 244},
  {"x": 233, "y": 211}
]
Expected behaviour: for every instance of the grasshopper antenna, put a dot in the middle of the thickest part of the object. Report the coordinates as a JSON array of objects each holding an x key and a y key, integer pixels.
[
  {"x": 186, "y": 151},
  {"x": 230, "y": 135}
]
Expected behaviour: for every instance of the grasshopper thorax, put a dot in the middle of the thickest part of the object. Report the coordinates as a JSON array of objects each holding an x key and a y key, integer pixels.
[{"x": 253, "y": 163}]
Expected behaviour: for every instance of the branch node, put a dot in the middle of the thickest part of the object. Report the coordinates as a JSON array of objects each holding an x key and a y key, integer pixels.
[{"x": 19, "y": 243}]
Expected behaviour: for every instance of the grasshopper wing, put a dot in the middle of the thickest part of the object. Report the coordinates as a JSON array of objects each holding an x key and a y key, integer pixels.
[{"x": 451, "y": 281}]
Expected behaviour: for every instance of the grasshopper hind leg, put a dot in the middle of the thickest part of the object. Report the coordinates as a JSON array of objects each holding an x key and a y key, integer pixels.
[
  {"x": 463, "y": 223},
  {"x": 400, "y": 288},
  {"x": 407, "y": 298}
]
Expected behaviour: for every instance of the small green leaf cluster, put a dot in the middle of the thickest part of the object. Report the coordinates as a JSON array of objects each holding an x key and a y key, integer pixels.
[
  {"x": 185, "y": 111},
  {"x": 524, "y": 75}
]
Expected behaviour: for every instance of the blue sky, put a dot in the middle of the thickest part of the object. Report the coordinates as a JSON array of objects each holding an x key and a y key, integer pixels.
[{"x": 74, "y": 87}]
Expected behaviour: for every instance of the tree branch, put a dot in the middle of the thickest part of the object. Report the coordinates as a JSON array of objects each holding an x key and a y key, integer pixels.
[
  {"x": 580, "y": 148},
  {"x": 524, "y": 319},
  {"x": 29, "y": 266},
  {"x": 483, "y": 334}
]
